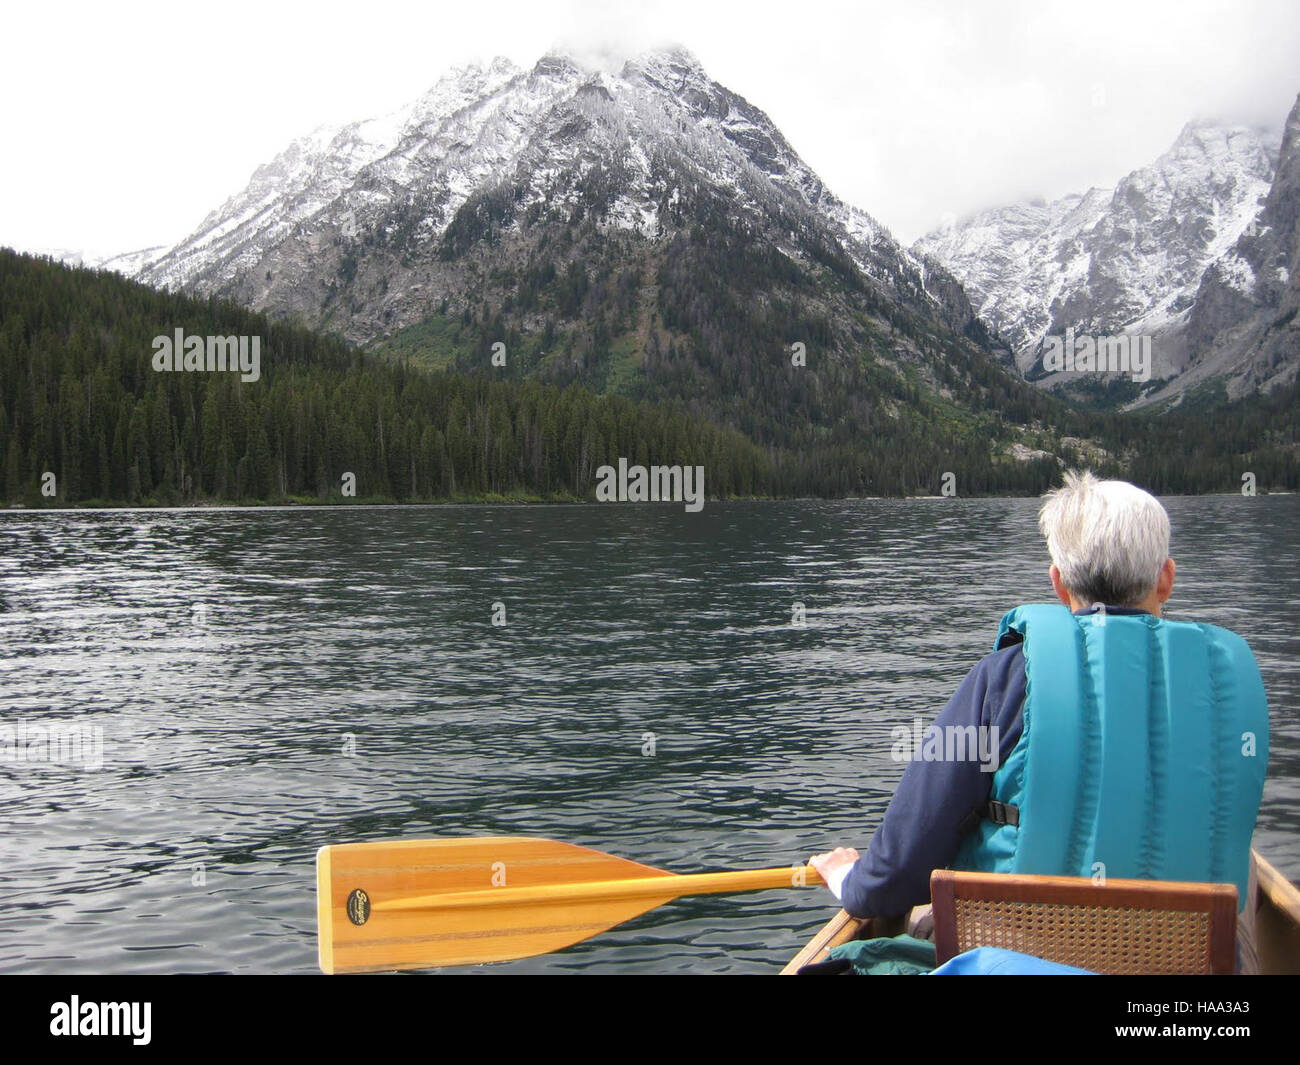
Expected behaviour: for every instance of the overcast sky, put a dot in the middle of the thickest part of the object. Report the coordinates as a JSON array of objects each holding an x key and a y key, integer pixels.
[{"x": 126, "y": 122}]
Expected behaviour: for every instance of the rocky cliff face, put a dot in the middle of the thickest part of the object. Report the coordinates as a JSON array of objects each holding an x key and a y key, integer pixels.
[
  {"x": 1242, "y": 326},
  {"x": 1112, "y": 261}
]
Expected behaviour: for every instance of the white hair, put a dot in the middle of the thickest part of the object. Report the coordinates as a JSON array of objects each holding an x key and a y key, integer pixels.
[{"x": 1109, "y": 539}]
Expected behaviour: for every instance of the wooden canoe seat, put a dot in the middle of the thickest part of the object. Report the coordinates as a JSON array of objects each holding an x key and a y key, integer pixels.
[{"x": 1119, "y": 927}]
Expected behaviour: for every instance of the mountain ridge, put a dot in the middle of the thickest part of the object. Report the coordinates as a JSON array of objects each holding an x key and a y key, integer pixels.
[
  {"x": 1111, "y": 260},
  {"x": 579, "y": 214},
  {"x": 470, "y": 131},
  {"x": 1137, "y": 260}
]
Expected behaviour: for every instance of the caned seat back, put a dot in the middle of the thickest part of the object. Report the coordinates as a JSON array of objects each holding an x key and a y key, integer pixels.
[{"x": 1116, "y": 927}]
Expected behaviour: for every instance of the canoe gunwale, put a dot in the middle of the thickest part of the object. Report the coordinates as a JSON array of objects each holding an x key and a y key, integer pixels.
[{"x": 1276, "y": 905}]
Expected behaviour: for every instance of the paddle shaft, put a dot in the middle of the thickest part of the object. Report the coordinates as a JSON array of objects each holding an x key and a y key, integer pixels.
[{"x": 667, "y": 886}]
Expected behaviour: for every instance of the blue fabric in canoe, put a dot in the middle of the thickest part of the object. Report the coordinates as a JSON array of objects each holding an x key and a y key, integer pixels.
[{"x": 994, "y": 961}]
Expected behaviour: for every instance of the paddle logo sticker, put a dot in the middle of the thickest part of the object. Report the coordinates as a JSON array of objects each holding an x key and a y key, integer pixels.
[{"x": 358, "y": 907}]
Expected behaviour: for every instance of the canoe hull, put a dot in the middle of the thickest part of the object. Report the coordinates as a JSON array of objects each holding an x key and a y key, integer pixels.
[{"x": 1275, "y": 899}]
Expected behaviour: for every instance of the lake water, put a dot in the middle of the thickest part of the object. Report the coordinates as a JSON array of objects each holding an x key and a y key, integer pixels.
[{"x": 230, "y": 657}]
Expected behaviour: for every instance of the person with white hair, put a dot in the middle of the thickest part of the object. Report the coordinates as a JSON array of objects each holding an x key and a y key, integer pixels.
[{"x": 1129, "y": 746}]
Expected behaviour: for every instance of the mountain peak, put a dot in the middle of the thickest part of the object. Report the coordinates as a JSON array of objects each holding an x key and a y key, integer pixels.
[
  {"x": 1205, "y": 132},
  {"x": 378, "y": 216},
  {"x": 668, "y": 61},
  {"x": 558, "y": 64}
]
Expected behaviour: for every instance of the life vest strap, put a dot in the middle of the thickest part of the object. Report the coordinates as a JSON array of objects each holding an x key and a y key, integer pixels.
[
  {"x": 1000, "y": 813},
  {"x": 1003, "y": 813}
]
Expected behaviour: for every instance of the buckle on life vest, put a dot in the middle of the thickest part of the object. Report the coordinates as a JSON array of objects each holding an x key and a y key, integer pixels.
[{"x": 1003, "y": 813}]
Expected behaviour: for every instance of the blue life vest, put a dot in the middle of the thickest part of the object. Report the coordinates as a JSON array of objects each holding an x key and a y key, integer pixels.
[{"x": 1144, "y": 749}]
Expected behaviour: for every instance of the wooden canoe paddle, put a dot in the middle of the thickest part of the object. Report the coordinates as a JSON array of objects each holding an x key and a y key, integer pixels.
[{"x": 425, "y": 903}]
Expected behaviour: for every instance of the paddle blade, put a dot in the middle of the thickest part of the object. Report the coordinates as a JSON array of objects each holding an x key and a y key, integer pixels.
[{"x": 356, "y": 936}]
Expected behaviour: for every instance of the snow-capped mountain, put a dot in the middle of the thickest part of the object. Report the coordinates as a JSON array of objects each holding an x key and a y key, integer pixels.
[
  {"x": 67, "y": 256},
  {"x": 128, "y": 264},
  {"x": 1244, "y": 324},
  {"x": 1111, "y": 261},
  {"x": 369, "y": 227}
]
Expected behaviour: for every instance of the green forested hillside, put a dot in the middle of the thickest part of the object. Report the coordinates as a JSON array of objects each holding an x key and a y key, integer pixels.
[
  {"x": 888, "y": 400},
  {"x": 79, "y": 399}
]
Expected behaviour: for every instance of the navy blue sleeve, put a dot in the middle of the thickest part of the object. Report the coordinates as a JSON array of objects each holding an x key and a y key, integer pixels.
[{"x": 923, "y": 827}]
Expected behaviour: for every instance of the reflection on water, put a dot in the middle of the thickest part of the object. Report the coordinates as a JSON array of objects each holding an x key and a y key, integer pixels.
[{"x": 230, "y": 657}]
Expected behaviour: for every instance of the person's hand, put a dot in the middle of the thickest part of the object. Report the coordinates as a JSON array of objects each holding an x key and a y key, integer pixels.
[{"x": 834, "y": 865}]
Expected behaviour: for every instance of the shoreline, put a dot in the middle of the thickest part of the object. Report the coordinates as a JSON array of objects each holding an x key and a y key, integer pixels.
[{"x": 382, "y": 504}]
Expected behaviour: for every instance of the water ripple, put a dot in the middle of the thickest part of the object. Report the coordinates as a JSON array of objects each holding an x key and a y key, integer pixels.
[{"x": 268, "y": 681}]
